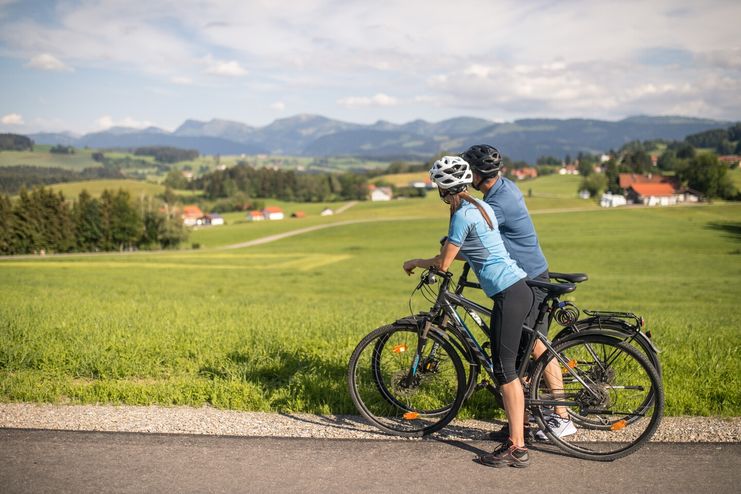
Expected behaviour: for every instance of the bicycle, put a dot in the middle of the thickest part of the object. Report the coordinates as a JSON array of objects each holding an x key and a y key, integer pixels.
[
  {"x": 408, "y": 378},
  {"x": 623, "y": 325}
]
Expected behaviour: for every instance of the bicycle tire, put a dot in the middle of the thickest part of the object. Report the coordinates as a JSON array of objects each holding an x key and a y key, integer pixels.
[
  {"x": 620, "y": 377},
  {"x": 378, "y": 381},
  {"x": 618, "y": 329}
]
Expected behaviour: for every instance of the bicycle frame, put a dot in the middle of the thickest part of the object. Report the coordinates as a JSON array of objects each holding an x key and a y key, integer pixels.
[{"x": 445, "y": 305}]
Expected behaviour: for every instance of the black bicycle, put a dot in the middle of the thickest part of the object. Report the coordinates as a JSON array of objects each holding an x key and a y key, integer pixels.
[
  {"x": 624, "y": 326},
  {"x": 409, "y": 378}
]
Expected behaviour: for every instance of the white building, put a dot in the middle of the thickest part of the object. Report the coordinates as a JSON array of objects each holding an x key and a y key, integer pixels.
[
  {"x": 273, "y": 213},
  {"x": 380, "y": 193},
  {"x": 612, "y": 200}
]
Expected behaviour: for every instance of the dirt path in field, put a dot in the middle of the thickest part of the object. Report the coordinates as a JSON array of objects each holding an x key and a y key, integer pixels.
[{"x": 308, "y": 229}]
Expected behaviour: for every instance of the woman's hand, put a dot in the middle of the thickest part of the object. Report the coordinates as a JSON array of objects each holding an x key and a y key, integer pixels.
[{"x": 410, "y": 265}]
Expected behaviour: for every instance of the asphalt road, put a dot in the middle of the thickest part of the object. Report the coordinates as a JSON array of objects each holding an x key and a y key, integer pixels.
[{"x": 61, "y": 461}]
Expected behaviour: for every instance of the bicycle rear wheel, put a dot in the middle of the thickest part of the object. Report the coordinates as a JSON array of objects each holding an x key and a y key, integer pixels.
[
  {"x": 383, "y": 391},
  {"x": 613, "y": 394}
]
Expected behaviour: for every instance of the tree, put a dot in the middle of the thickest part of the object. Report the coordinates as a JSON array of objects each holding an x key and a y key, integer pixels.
[
  {"x": 612, "y": 175},
  {"x": 175, "y": 179},
  {"x": 6, "y": 225},
  {"x": 122, "y": 226},
  {"x": 706, "y": 174},
  {"x": 88, "y": 220},
  {"x": 595, "y": 184}
]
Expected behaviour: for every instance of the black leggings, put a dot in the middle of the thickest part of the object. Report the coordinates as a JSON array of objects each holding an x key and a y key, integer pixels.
[{"x": 511, "y": 307}]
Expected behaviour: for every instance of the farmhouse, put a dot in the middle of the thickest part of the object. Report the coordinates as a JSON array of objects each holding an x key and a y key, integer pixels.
[
  {"x": 298, "y": 214},
  {"x": 380, "y": 193},
  {"x": 612, "y": 200},
  {"x": 525, "y": 173},
  {"x": 255, "y": 216},
  {"x": 191, "y": 215},
  {"x": 628, "y": 179},
  {"x": 653, "y": 194},
  {"x": 212, "y": 219},
  {"x": 568, "y": 170},
  {"x": 273, "y": 213},
  {"x": 326, "y": 212}
]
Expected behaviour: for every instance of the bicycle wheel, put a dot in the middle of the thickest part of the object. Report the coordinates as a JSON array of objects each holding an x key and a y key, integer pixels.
[
  {"x": 382, "y": 390},
  {"x": 612, "y": 392},
  {"x": 616, "y": 329}
]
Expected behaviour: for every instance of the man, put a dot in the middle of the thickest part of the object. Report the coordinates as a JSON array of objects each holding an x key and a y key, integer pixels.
[{"x": 521, "y": 241}]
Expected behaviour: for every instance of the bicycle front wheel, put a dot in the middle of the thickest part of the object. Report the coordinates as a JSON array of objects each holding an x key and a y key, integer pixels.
[
  {"x": 613, "y": 394},
  {"x": 394, "y": 397}
]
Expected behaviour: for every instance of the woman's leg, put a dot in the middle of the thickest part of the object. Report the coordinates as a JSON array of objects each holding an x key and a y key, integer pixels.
[{"x": 511, "y": 307}]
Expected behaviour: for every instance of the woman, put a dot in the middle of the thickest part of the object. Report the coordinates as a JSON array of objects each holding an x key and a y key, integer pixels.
[{"x": 473, "y": 236}]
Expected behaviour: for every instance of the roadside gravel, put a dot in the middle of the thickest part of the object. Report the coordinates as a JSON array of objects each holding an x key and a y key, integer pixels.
[{"x": 212, "y": 421}]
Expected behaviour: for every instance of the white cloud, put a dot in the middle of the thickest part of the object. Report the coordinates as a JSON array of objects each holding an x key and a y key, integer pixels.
[
  {"x": 229, "y": 69},
  {"x": 181, "y": 80},
  {"x": 46, "y": 61},
  {"x": 12, "y": 119},
  {"x": 278, "y": 105},
  {"x": 106, "y": 122},
  {"x": 379, "y": 99}
]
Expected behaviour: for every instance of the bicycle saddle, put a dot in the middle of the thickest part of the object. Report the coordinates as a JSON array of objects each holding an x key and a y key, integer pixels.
[
  {"x": 570, "y": 277},
  {"x": 553, "y": 289}
]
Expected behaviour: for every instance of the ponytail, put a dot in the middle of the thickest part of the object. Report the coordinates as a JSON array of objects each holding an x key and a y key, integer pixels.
[{"x": 455, "y": 203}]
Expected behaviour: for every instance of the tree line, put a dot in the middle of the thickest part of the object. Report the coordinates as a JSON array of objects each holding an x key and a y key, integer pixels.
[
  {"x": 167, "y": 154},
  {"x": 43, "y": 221},
  {"x": 13, "y": 178},
  {"x": 15, "y": 142},
  {"x": 287, "y": 185}
]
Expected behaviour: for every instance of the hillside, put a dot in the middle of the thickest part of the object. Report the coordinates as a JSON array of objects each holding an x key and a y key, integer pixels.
[{"x": 315, "y": 135}]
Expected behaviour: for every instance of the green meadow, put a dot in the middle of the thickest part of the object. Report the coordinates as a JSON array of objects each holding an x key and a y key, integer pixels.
[
  {"x": 40, "y": 156},
  {"x": 271, "y": 327}
]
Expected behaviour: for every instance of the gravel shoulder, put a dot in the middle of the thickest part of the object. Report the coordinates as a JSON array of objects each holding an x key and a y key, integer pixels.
[{"x": 212, "y": 421}]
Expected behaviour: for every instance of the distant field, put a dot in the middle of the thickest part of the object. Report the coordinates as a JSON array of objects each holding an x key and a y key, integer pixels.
[
  {"x": 96, "y": 187},
  {"x": 80, "y": 160},
  {"x": 271, "y": 328}
]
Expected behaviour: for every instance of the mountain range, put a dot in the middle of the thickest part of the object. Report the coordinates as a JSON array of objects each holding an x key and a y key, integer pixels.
[{"x": 315, "y": 135}]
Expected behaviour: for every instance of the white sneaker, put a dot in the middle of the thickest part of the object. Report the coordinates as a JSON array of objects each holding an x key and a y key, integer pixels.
[{"x": 560, "y": 427}]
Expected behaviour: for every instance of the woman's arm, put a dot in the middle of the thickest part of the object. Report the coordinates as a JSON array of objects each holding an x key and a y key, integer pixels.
[{"x": 442, "y": 261}]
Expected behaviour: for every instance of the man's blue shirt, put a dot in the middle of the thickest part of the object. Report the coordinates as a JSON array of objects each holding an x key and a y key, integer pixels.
[
  {"x": 483, "y": 248},
  {"x": 516, "y": 227}
]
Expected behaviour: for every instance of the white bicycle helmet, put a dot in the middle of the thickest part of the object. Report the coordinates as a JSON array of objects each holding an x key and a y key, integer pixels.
[{"x": 451, "y": 174}]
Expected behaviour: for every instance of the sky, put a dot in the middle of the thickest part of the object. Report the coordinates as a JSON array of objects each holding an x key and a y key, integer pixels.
[{"x": 82, "y": 66}]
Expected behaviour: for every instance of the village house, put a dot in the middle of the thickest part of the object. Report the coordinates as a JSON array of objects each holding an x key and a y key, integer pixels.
[
  {"x": 653, "y": 194},
  {"x": 298, "y": 214},
  {"x": 273, "y": 213},
  {"x": 211, "y": 219},
  {"x": 730, "y": 159},
  {"x": 255, "y": 216},
  {"x": 380, "y": 193},
  {"x": 326, "y": 212},
  {"x": 525, "y": 173},
  {"x": 628, "y": 179},
  {"x": 191, "y": 215},
  {"x": 612, "y": 200},
  {"x": 568, "y": 170}
]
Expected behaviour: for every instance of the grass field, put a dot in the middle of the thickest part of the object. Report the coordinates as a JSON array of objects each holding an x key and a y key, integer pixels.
[
  {"x": 42, "y": 157},
  {"x": 271, "y": 327},
  {"x": 96, "y": 187}
]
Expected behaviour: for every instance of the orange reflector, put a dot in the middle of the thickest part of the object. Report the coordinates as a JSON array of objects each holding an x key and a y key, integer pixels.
[
  {"x": 620, "y": 424},
  {"x": 572, "y": 364},
  {"x": 411, "y": 415},
  {"x": 400, "y": 348}
]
